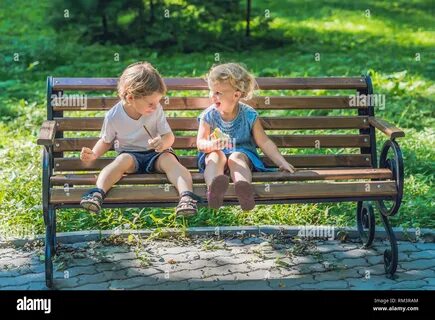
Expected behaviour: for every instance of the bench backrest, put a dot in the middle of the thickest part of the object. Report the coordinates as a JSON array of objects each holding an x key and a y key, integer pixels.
[{"x": 327, "y": 128}]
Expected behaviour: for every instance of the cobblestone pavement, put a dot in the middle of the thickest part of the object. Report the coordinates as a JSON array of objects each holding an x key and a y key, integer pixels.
[{"x": 257, "y": 263}]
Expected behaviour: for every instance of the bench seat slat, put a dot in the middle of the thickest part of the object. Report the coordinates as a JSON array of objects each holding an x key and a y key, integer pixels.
[
  {"x": 300, "y": 161},
  {"x": 302, "y": 175},
  {"x": 264, "y": 83},
  {"x": 288, "y": 141},
  {"x": 275, "y": 191},
  {"x": 269, "y": 123},
  {"x": 200, "y": 103}
]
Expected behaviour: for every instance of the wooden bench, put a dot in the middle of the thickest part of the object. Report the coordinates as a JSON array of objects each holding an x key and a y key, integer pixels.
[{"x": 332, "y": 166}]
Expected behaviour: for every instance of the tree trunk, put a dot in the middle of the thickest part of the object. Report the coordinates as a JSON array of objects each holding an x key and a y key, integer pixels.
[
  {"x": 105, "y": 28},
  {"x": 248, "y": 18},
  {"x": 140, "y": 11},
  {"x": 151, "y": 11}
]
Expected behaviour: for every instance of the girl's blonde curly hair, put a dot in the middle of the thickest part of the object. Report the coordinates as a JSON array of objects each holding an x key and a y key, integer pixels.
[
  {"x": 236, "y": 75},
  {"x": 140, "y": 79}
]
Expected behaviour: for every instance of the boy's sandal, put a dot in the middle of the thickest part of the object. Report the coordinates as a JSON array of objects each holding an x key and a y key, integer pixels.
[
  {"x": 187, "y": 205},
  {"x": 217, "y": 190},
  {"x": 245, "y": 193},
  {"x": 93, "y": 200}
]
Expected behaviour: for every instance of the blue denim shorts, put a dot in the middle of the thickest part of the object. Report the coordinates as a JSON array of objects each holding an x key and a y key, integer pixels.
[{"x": 145, "y": 160}]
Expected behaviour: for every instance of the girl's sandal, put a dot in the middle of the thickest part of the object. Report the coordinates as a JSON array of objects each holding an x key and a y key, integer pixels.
[
  {"x": 93, "y": 200},
  {"x": 187, "y": 205},
  {"x": 217, "y": 190},
  {"x": 245, "y": 193}
]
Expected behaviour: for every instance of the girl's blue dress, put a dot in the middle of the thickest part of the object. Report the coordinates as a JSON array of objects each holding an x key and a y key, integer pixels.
[{"x": 239, "y": 130}]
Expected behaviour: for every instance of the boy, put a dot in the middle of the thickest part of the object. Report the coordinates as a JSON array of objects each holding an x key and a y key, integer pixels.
[{"x": 142, "y": 138}]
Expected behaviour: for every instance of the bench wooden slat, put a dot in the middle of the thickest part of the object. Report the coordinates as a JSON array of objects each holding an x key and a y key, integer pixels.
[
  {"x": 301, "y": 190},
  {"x": 200, "y": 103},
  {"x": 264, "y": 83},
  {"x": 269, "y": 123},
  {"x": 299, "y": 161},
  {"x": 302, "y": 175},
  {"x": 293, "y": 141}
]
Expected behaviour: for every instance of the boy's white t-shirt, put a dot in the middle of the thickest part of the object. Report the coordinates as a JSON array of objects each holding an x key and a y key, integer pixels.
[{"x": 128, "y": 134}]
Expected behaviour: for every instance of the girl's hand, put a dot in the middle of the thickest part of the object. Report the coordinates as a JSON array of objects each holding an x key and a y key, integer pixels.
[
  {"x": 214, "y": 145},
  {"x": 87, "y": 154},
  {"x": 285, "y": 166},
  {"x": 156, "y": 143},
  {"x": 209, "y": 145}
]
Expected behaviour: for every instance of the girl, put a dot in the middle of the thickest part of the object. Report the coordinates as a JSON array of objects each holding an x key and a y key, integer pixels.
[
  {"x": 235, "y": 147},
  {"x": 142, "y": 137}
]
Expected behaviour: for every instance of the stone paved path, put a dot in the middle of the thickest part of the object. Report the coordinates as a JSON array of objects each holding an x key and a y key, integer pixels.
[{"x": 258, "y": 263}]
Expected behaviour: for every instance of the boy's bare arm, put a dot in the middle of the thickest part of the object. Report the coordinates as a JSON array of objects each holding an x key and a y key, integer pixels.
[
  {"x": 269, "y": 148},
  {"x": 168, "y": 140},
  {"x": 97, "y": 151}
]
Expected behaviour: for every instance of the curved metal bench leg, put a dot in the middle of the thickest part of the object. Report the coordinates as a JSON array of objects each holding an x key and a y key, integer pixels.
[
  {"x": 365, "y": 218},
  {"x": 394, "y": 161},
  {"x": 390, "y": 255}
]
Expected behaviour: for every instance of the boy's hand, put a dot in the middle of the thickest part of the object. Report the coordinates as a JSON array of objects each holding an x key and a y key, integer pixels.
[
  {"x": 156, "y": 143},
  {"x": 285, "y": 166},
  {"x": 87, "y": 154}
]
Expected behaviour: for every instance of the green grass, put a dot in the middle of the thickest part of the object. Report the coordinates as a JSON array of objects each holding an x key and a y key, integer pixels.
[{"x": 349, "y": 43}]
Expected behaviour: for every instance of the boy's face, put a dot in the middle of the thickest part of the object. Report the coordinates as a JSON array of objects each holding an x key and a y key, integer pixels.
[
  {"x": 145, "y": 105},
  {"x": 224, "y": 96}
]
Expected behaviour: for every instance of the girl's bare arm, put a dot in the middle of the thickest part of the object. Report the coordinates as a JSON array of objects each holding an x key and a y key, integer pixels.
[
  {"x": 202, "y": 142},
  {"x": 269, "y": 148}
]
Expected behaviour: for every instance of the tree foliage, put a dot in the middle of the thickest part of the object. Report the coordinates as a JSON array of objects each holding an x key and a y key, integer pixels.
[{"x": 186, "y": 26}]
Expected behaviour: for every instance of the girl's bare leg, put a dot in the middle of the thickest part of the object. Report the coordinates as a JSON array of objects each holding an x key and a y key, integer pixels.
[
  {"x": 240, "y": 169},
  {"x": 214, "y": 166}
]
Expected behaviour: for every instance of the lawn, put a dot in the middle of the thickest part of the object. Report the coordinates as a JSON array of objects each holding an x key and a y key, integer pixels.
[{"x": 394, "y": 41}]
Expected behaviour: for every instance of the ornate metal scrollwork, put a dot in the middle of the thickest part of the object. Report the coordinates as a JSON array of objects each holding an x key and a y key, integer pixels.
[
  {"x": 365, "y": 218},
  {"x": 395, "y": 164}
]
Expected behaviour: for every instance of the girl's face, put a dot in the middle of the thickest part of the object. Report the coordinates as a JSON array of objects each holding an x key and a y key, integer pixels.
[
  {"x": 145, "y": 105},
  {"x": 224, "y": 96}
]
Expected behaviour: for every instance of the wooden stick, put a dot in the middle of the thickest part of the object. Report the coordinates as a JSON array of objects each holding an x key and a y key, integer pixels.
[{"x": 148, "y": 132}]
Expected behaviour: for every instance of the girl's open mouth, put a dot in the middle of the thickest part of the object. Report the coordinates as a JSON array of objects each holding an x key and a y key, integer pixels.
[{"x": 218, "y": 104}]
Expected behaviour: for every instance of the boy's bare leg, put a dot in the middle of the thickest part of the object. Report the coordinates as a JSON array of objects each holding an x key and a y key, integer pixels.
[
  {"x": 181, "y": 178},
  {"x": 113, "y": 172},
  {"x": 177, "y": 174},
  {"x": 214, "y": 166},
  {"x": 240, "y": 167}
]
